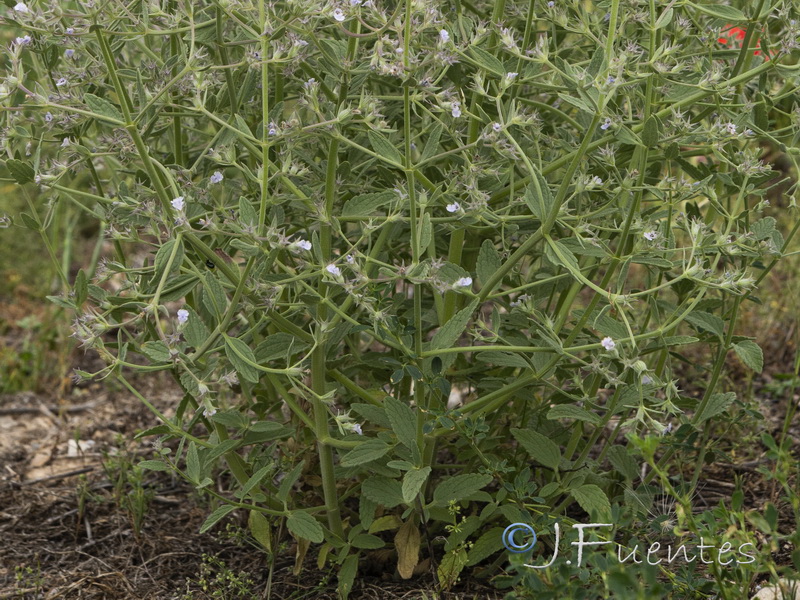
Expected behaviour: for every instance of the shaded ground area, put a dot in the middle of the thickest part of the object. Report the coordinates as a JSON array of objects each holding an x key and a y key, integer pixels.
[{"x": 69, "y": 506}]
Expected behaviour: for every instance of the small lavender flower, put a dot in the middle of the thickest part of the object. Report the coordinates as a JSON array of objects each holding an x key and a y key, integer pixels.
[
  {"x": 551, "y": 4},
  {"x": 350, "y": 259},
  {"x": 303, "y": 244},
  {"x": 497, "y": 127},
  {"x": 183, "y": 315},
  {"x": 611, "y": 79},
  {"x": 608, "y": 344},
  {"x": 69, "y": 52},
  {"x": 731, "y": 128},
  {"x": 338, "y": 14},
  {"x": 606, "y": 124},
  {"x": 21, "y": 7},
  {"x": 597, "y": 180},
  {"x": 463, "y": 282},
  {"x": 454, "y": 207},
  {"x": 511, "y": 76},
  {"x": 65, "y": 142},
  {"x": 177, "y": 203},
  {"x": 444, "y": 36},
  {"x": 70, "y": 31},
  {"x": 650, "y": 235},
  {"x": 456, "y": 111},
  {"x": 333, "y": 270},
  {"x": 356, "y": 427},
  {"x": 216, "y": 177},
  {"x": 23, "y": 41},
  {"x": 61, "y": 82}
]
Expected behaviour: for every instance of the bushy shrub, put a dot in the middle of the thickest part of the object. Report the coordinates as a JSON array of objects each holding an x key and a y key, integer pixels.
[{"x": 421, "y": 269}]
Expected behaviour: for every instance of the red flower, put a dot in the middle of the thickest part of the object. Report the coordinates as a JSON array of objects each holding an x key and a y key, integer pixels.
[
  {"x": 736, "y": 35},
  {"x": 736, "y": 32}
]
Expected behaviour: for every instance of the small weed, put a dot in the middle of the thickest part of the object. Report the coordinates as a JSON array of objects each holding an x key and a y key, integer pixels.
[{"x": 216, "y": 580}]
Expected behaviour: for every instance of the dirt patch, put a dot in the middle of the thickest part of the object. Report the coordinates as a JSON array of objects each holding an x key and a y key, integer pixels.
[{"x": 69, "y": 529}]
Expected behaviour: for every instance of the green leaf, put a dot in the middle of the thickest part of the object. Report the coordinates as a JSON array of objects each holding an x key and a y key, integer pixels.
[
  {"x": 503, "y": 359},
  {"x": 155, "y": 465},
  {"x": 451, "y": 566},
  {"x": 750, "y": 354},
  {"x": 598, "y": 62},
  {"x": 164, "y": 254},
  {"x": 385, "y": 523},
  {"x": 367, "y": 452},
  {"x": 264, "y": 426},
  {"x": 195, "y": 331},
  {"x": 459, "y": 487},
  {"x": 449, "y": 333},
  {"x": 558, "y": 253},
  {"x": 178, "y": 287},
  {"x": 231, "y": 418},
  {"x": 650, "y": 133},
  {"x": 214, "y": 297},
  {"x": 432, "y": 144},
  {"x": 347, "y": 576},
  {"x": 384, "y": 148},
  {"x": 680, "y": 340},
  {"x": 382, "y": 490},
  {"x": 29, "y": 222},
  {"x": 193, "y": 466},
  {"x": 539, "y": 198},
  {"x": 413, "y": 482},
  {"x": 486, "y": 545},
  {"x": 259, "y": 529},
  {"x": 717, "y": 404},
  {"x": 487, "y": 61},
  {"x": 215, "y": 517},
  {"x": 541, "y": 448},
  {"x": 367, "y": 541},
  {"x": 593, "y": 500},
  {"x": 156, "y": 351},
  {"x": 81, "y": 287},
  {"x": 728, "y": 13},
  {"x": 403, "y": 420},
  {"x": 254, "y": 480},
  {"x": 373, "y": 414},
  {"x": 240, "y": 356},
  {"x": 22, "y": 172},
  {"x": 623, "y": 462},
  {"x": 706, "y": 321},
  {"x": 570, "y": 411},
  {"x": 223, "y": 447},
  {"x": 104, "y": 108},
  {"x": 247, "y": 213},
  {"x": 278, "y": 346},
  {"x": 425, "y": 231},
  {"x": 366, "y": 204},
  {"x": 302, "y": 525},
  {"x": 489, "y": 261},
  {"x": 288, "y": 482},
  {"x": 62, "y": 302},
  {"x": 664, "y": 19}
]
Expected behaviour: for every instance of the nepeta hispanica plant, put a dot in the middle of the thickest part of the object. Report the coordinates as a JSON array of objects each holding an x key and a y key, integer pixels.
[{"x": 417, "y": 267}]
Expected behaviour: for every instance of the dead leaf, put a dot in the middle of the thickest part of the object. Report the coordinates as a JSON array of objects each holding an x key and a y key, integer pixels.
[{"x": 407, "y": 544}]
